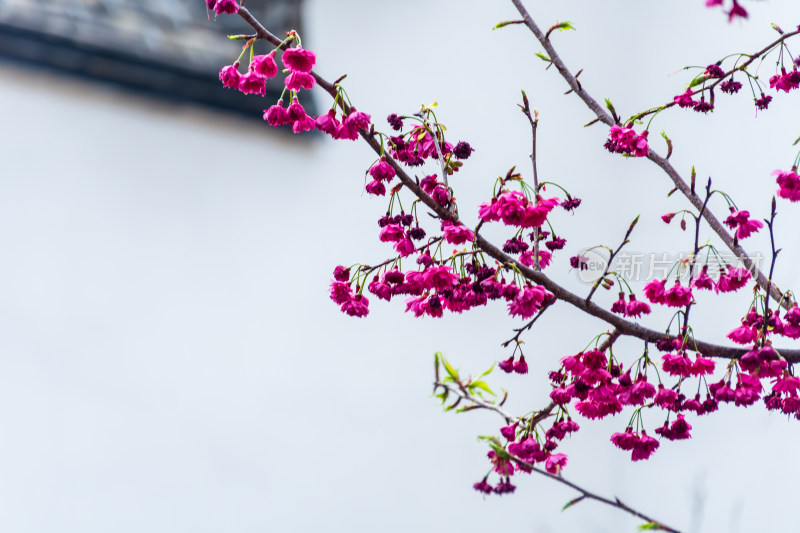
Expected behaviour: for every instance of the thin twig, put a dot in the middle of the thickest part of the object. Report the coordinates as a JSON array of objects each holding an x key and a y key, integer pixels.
[
  {"x": 534, "y": 120},
  {"x": 592, "y": 496},
  {"x": 461, "y": 393},
  {"x": 698, "y": 219},
  {"x": 611, "y": 257},
  {"x": 368, "y": 269},
  {"x": 771, "y": 225},
  {"x": 527, "y": 326}
]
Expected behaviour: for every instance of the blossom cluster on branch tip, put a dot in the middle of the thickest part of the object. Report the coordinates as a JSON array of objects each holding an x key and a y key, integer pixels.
[
  {"x": 298, "y": 63},
  {"x": 263, "y": 68}
]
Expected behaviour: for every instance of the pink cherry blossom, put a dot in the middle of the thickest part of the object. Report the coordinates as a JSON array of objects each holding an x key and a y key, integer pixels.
[
  {"x": 555, "y": 463},
  {"x": 296, "y": 81},
  {"x": 684, "y": 100},
  {"x": 253, "y": 83},
  {"x": 358, "y": 306},
  {"x": 264, "y": 65},
  {"x": 299, "y": 59},
  {"x": 655, "y": 292},
  {"x": 456, "y": 233},
  {"x": 230, "y": 76}
]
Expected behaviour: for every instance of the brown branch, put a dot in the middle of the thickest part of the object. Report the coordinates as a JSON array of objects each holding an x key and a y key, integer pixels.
[
  {"x": 760, "y": 278},
  {"x": 742, "y": 67},
  {"x": 585, "y": 494}
]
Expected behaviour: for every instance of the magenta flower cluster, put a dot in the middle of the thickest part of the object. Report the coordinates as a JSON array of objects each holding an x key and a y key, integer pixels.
[
  {"x": 685, "y": 100},
  {"x": 785, "y": 81},
  {"x": 788, "y": 184},
  {"x": 742, "y": 224},
  {"x": 624, "y": 140}
]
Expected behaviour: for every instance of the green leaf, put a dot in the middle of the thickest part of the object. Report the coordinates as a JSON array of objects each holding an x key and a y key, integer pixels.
[
  {"x": 697, "y": 81},
  {"x": 649, "y": 526},
  {"x": 542, "y": 57},
  {"x": 610, "y": 107},
  {"x": 507, "y": 23},
  {"x": 501, "y": 453},
  {"x": 564, "y": 26},
  {"x": 491, "y": 439},
  {"x": 796, "y": 141},
  {"x": 450, "y": 370},
  {"x": 669, "y": 143},
  {"x": 633, "y": 224},
  {"x": 486, "y": 373},
  {"x": 572, "y": 502},
  {"x": 481, "y": 385}
]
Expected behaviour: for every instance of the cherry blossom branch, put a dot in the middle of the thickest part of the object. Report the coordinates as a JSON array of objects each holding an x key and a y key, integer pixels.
[
  {"x": 662, "y": 162},
  {"x": 463, "y": 393},
  {"x": 760, "y": 278},
  {"x": 623, "y": 326},
  {"x": 585, "y": 494},
  {"x": 720, "y": 79}
]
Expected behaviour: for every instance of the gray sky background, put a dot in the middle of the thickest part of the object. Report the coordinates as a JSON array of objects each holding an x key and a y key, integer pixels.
[{"x": 170, "y": 359}]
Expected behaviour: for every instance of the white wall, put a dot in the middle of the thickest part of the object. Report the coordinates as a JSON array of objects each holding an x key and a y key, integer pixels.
[{"x": 170, "y": 360}]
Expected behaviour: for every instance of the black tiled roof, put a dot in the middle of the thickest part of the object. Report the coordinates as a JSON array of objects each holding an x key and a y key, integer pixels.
[{"x": 168, "y": 48}]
